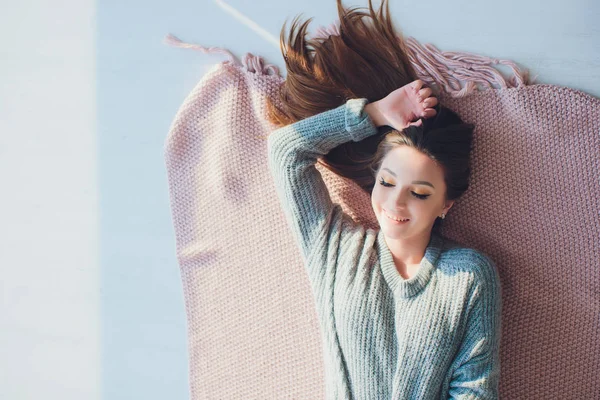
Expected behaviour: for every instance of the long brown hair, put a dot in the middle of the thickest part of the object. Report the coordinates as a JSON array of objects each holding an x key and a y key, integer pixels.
[{"x": 367, "y": 60}]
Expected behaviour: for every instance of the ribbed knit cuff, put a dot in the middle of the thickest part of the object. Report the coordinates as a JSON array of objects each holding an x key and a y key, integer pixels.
[{"x": 358, "y": 123}]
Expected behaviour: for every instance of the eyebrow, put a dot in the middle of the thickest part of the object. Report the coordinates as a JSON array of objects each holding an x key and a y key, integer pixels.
[{"x": 415, "y": 182}]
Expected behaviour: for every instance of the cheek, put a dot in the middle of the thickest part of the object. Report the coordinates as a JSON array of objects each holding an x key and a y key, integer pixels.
[
  {"x": 374, "y": 202},
  {"x": 376, "y": 199},
  {"x": 429, "y": 208},
  {"x": 422, "y": 210}
]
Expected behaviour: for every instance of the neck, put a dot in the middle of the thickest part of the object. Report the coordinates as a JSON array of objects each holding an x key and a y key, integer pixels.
[{"x": 409, "y": 251}]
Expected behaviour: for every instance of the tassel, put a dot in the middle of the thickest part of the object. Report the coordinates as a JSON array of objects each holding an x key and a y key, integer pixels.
[
  {"x": 176, "y": 42},
  {"x": 250, "y": 62},
  {"x": 255, "y": 64},
  {"x": 448, "y": 69},
  {"x": 457, "y": 73}
]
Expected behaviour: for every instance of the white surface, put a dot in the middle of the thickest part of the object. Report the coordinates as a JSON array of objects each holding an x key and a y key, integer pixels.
[
  {"x": 91, "y": 299},
  {"x": 49, "y": 258}
]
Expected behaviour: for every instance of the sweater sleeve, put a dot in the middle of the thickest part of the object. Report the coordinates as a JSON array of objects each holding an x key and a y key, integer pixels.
[
  {"x": 477, "y": 371},
  {"x": 293, "y": 151}
]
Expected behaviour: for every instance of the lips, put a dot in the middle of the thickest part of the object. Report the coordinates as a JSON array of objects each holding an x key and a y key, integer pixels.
[{"x": 396, "y": 218}]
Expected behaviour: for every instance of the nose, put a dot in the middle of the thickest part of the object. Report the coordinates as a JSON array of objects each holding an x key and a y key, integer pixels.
[{"x": 399, "y": 201}]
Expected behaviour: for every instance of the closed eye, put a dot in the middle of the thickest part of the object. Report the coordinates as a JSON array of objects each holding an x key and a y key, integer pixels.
[{"x": 417, "y": 195}]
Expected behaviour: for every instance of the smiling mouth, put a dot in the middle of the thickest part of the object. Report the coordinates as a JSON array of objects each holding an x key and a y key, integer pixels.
[{"x": 396, "y": 219}]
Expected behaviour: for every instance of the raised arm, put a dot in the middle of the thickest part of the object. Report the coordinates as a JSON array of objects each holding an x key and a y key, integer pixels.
[
  {"x": 293, "y": 152},
  {"x": 294, "y": 149}
]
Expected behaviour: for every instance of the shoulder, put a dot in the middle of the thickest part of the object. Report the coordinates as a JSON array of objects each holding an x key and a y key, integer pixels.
[
  {"x": 465, "y": 258},
  {"x": 458, "y": 259}
]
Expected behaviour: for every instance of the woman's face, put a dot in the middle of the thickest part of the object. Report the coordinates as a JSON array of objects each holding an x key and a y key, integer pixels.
[{"x": 414, "y": 190}]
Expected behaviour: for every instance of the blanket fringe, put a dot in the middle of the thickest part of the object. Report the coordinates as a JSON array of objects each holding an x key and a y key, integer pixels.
[
  {"x": 250, "y": 62},
  {"x": 176, "y": 42},
  {"x": 448, "y": 69},
  {"x": 456, "y": 73},
  {"x": 256, "y": 64}
]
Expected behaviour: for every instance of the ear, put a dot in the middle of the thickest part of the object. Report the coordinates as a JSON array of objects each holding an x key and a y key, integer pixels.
[{"x": 448, "y": 206}]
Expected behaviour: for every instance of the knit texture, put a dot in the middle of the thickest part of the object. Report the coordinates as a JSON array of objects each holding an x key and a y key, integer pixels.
[
  {"x": 254, "y": 325},
  {"x": 435, "y": 335}
]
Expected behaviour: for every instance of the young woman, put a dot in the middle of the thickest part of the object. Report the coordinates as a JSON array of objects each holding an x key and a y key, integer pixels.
[{"x": 404, "y": 312}]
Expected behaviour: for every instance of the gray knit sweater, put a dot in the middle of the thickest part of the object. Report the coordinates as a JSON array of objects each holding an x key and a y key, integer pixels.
[{"x": 433, "y": 336}]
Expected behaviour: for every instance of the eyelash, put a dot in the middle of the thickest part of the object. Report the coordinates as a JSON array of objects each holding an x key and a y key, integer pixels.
[{"x": 419, "y": 196}]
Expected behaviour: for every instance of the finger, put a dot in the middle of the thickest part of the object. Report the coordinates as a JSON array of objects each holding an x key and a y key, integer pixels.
[
  {"x": 418, "y": 123},
  {"x": 417, "y": 85},
  {"x": 430, "y": 102},
  {"x": 429, "y": 112},
  {"x": 424, "y": 93}
]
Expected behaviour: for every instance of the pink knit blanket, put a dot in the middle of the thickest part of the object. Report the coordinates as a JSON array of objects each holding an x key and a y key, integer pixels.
[{"x": 533, "y": 206}]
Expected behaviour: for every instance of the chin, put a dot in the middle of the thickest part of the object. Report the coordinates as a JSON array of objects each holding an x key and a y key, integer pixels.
[
  {"x": 394, "y": 235},
  {"x": 395, "y": 232}
]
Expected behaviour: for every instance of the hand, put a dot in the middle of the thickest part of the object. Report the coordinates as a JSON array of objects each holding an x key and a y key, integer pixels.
[{"x": 403, "y": 106}]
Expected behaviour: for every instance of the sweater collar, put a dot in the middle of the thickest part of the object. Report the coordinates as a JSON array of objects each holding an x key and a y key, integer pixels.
[{"x": 409, "y": 287}]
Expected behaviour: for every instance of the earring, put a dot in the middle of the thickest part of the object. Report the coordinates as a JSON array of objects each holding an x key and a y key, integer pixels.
[{"x": 443, "y": 215}]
